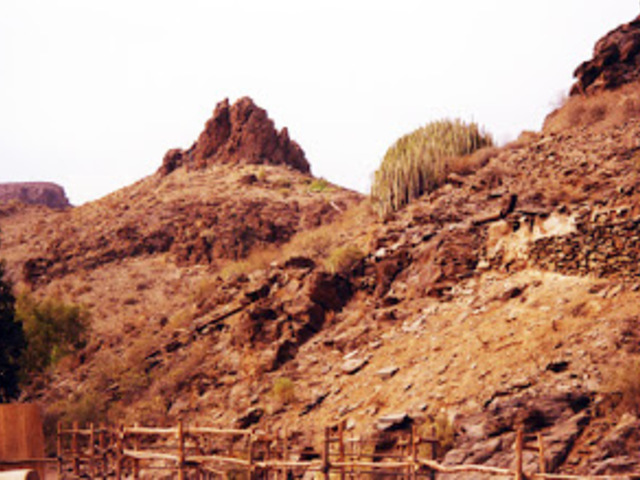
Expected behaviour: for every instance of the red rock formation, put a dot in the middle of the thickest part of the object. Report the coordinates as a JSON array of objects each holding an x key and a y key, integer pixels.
[
  {"x": 615, "y": 62},
  {"x": 241, "y": 134},
  {"x": 35, "y": 193}
]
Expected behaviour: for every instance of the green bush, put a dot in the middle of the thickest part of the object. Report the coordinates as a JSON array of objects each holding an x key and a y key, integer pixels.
[
  {"x": 420, "y": 161},
  {"x": 344, "y": 259},
  {"x": 284, "y": 390},
  {"x": 53, "y": 329},
  {"x": 318, "y": 185}
]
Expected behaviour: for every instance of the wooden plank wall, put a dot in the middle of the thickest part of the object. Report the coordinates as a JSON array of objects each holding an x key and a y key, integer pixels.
[{"x": 21, "y": 435}]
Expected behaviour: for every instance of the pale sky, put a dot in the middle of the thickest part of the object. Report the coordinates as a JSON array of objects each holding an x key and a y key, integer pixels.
[{"x": 94, "y": 92}]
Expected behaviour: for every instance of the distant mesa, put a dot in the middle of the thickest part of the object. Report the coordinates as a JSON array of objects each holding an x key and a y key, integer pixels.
[
  {"x": 615, "y": 62},
  {"x": 35, "y": 193},
  {"x": 241, "y": 133}
]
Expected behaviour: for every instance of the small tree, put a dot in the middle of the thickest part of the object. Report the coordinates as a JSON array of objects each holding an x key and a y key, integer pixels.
[
  {"x": 11, "y": 342},
  {"x": 52, "y": 328}
]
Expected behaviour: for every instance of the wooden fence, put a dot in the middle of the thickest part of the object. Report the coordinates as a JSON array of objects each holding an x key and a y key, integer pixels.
[{"x": 203, "y": 453}]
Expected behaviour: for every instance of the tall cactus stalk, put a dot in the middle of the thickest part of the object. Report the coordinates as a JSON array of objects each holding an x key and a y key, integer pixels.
[{"x": 419, "y": 162}]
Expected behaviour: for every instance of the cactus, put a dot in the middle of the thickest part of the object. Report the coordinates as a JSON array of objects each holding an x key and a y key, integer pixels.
[{"x": 420, "y": 161}]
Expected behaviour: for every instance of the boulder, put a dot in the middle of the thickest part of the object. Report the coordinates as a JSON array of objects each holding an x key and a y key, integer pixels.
[{"x": 393, "y": 422}]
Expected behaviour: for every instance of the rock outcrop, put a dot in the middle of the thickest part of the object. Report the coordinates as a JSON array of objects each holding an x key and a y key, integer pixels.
[
  {"x": 241, "y": 133},
  {"x": 615, "y": 62},
  {"x": 35, "y": 193}
]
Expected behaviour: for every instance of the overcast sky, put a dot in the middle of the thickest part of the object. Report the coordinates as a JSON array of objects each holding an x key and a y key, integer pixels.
[{"x": 94, "y": 92}]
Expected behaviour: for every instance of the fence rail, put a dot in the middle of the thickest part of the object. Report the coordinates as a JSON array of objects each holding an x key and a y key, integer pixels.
[{"x": 205, "y": 453}]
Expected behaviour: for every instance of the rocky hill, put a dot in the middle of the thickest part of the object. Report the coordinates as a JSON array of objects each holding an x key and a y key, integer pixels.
[
  {"x": 615, "y": 62},
  {"x": 233, "y": 288},
  {"x": 34, "y": 193}
]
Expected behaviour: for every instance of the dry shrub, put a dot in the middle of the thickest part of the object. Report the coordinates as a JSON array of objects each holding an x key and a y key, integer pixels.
[
  {"x": 258, "y": 259},
  {"x": 314, "y": 243},
  {"x": 604, "y": 110},
  {"x": 284, "y": 390},
  {"x": 468, "y": 164},
  {"x": 344, "y": 259},
  {"x": 623, "y": 384},
  {"x": 317, "y": 244}
]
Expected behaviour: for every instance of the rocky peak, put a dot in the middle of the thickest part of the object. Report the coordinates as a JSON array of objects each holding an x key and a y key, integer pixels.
[
  {"x": 615, "y": 62},
  {"x": 36, "y": 193},
  {"x": 241, "y": 133}
]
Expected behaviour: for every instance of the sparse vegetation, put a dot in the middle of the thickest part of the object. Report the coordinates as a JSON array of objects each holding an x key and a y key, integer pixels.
[
  {"x": 420, "y": 161},
  {"x": 604, "y": 110},
  {"x": 318, "y": 185},
  {"x": 623, "y": 383},
  {"x": 284, "y": 390},
  {"x": 53, "y": 329},
  {"x": 343, "y": 259}
]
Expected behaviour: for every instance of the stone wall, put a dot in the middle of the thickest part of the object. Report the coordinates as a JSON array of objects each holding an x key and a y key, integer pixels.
[{"x": 605, "y": 244}]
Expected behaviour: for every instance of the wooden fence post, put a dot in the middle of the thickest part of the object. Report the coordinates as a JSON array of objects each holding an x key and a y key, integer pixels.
[
  {"x": 92, "y": 450},
  {"x": 136, "y": 447},
  {"x": 413, "y": 452},
  {"x": 325, "y": 453},
  {"x": 518, "y": 447},
  {"x": 543, "y": 463},
  {"x": 74, "y": 449},
  {"x": 250, "y": 454},
  {"x": 102, "y": 445},
  {"x": 59, "y": 447},
  {"x": 181, "y": 454},
  {"x": 434, "y": 451},
  {"x": 341, "y": 426},
  {"x": 285, "y": 451},
  {"x": 119, "y": 451}
]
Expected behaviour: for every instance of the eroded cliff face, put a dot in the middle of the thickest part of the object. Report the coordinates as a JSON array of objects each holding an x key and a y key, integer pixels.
[{"x": 35, "y": 193}]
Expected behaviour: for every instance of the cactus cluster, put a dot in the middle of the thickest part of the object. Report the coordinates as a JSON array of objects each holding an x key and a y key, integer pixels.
[{"x": 420, "y": 161}]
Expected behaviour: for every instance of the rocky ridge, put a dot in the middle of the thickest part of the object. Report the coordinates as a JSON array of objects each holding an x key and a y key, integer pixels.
[
  {"x": 615, "y": 62},
  {"x": 241, "y": 133},
  {"x": 35, "y": 193}
]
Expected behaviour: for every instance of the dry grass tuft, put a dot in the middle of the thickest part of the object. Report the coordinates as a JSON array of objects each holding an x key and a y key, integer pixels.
[
  {"x": 344, "y": 259},
  {"x": 604, "y": 110},
  {"x": 623, "y": 383}
]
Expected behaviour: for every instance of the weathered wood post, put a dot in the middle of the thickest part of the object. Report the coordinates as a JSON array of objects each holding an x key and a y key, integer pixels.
[
  {"x": 136, "y": 447},
  {"x": 59, "y": 451},
  {"x": 543, "y": 463},
  {"x": 341, "y": 427},
  {"x": 413, "y": 452},
  {"x": 325, "y": 453},
  {"x": 92, "y": 450},
  {"x": 285, "y": 451},
  {"x": 434, "y": 451},
  {"x": 74, "y": 449},
  {"x": 181, "y": 453},
  {"x": 102, "y": 445},
  {"x": 250, "y": 454},
  {"x": 518, "y": 460},
  {"x": 119, "y": 451}
]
